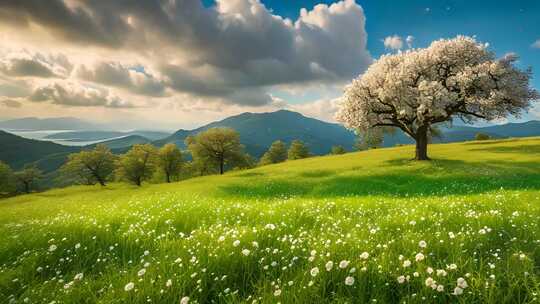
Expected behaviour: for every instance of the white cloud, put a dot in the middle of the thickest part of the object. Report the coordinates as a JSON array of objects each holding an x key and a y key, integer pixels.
[
  {"x": 410, "y": 41},
  {"x": 233, "y": 52},
  {"x": 536, "y": 44},
  {"x": 393, "y": 42},
  {"x": 323, "y": 109},
  {"x": 74, "y": 94},
  {"x": 117, "y": 75},
  {"x": 25, "y": 63}
]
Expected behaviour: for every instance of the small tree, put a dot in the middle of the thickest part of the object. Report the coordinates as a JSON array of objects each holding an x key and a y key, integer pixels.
[
  {"x": 297, "y": 150},
  {"x": 481, "y": 136},
  {"x": 456, "y": 78},
  {"x": 371, "y": 139},
  {"x": 90, "y": 166},
  {"x": 138, "y": 164},
  {"x": 276, "y": 153},
  {"x": 170, "y": 161},
  {"x": 337, "y": 150},
  {"x": 7, "y": 180},
  {"x": 28, "y": 176},
  {"x": 216, "y": 147}
]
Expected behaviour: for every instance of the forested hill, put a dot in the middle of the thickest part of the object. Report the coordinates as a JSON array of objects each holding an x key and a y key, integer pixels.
[{"x": 258, "y": 131}]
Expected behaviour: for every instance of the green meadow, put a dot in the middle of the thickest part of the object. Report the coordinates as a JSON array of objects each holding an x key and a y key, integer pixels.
[{"x": 364, "y": 227}]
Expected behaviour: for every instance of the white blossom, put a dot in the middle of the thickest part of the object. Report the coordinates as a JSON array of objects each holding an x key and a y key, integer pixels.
[{"x": 452, "y": 78}]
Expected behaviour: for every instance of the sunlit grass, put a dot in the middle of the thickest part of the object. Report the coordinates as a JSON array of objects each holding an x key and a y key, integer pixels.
[{"x": 258, "y": 235}]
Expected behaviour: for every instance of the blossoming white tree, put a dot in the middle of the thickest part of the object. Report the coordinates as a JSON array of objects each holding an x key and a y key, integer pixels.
[{"x": 454, "y": 78}]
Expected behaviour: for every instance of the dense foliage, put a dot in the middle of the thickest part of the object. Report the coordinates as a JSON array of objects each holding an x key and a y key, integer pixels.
[
  {"x": 297, "y": 150},
  {"x": 170, "y": 161},
  {"x": 277, "y": 153},
  {"x": 90, "y": 166},
  {"x": 138, "y": 164},
  {"x": 217, "y": 146},
  {"x": 28, "y": 176}
]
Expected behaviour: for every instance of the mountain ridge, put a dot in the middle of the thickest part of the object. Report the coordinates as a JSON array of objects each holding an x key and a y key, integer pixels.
[{"x": 258, "y": 131}]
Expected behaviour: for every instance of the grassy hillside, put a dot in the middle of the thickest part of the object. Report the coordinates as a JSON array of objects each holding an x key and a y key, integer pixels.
[{"x": 269, "y": 234}]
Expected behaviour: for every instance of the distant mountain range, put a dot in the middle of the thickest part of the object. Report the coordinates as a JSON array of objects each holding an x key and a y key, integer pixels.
[
  {"x": 257, "y": 132},
  {"x": 105, "y": 135},
  {"x": 39, "y": 124}
]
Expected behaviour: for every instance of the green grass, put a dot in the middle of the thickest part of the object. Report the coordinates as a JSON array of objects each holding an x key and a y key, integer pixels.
[{"x": 477, "y": 205}]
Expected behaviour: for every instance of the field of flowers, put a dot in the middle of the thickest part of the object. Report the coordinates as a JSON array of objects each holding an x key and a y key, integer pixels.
[{"x": 366, "y": 227}]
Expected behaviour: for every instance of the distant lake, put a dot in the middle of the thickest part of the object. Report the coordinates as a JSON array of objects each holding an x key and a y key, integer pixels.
[{"x": 41, "y": 134}]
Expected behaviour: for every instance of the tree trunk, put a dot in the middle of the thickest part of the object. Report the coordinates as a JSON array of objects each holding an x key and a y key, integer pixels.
[
  {"x": 26, "y": 187},
  {"x": 168, "y": 177},
  {"x": 138, "y": 181},
  {"x": 100, "y": 180},
  {"x": 221, "y": 166},
  {"x": 421, "y": 144}
]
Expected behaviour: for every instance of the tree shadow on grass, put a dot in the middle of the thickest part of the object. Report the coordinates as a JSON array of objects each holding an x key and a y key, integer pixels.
[
  {"x": 249, "y": 174},
  {"x": 529, "y": 149},
  {"x": 440, "y": 177},
  {"x": 489, "y": 142}
]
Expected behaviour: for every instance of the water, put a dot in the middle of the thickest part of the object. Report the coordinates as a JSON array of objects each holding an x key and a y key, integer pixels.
[{"x": 41, "y": 134}]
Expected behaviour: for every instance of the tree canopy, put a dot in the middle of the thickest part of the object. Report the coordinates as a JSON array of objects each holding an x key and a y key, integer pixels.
[
  {"x": 7, "y": 179},
  {"x": 217, "y": 147},
  {"x": 28, "y": 176},
  {"x": 170, "y": 161},
  {"x": 454, "y": 78},
  {"x": 276, "y": 153},
  {"x": 90, "y": 166},
  {"x": 297, "y": 150},
  {"x": 138, "y": 164},
  {"x": 337, "y": 150}
]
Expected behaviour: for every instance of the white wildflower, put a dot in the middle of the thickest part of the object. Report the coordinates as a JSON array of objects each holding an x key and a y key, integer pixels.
[{"x": 343, "y": 264}]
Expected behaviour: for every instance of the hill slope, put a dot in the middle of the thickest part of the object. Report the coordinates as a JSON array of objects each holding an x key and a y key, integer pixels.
[
  {"x": 360, "y": 227},
  {"x": 17, "y": 151},
  {"x": 123, "y": 142},
  {"x": 258, "y": 131}
]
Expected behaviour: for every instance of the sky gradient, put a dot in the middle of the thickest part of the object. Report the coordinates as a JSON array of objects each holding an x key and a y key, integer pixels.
[{"x": 170, "y": 65}]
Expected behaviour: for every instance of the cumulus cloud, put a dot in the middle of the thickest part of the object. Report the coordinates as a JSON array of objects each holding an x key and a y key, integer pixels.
[
  {"x": 536, "y": 44},
  {"x": 72, "y": 94},
  {"x": 10, "y": 103},
  {"x": 232, "y": 52},
  {"x": 410, "y": 41},
  {"x": 393, "y": 42},
  {"x": 118, "y": 75},
  {"x": 24, "y": 63},
  {"x": 323, "y": 109}
]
